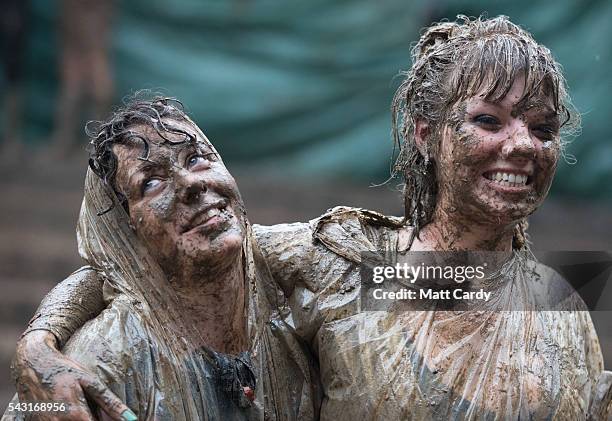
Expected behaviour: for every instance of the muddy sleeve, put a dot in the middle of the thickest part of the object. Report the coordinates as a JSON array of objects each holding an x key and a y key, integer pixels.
[
  {"x": 290, "y": 253},
  {"x": 309, "y": 273},
  {"x": 69, "y": 305}
]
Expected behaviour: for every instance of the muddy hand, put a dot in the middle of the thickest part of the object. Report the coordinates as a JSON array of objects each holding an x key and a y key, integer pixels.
[{"x": 43, "y": 374}]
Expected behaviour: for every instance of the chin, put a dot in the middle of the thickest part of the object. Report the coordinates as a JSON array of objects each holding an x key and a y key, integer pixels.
[
  {"x": 225, "y": 247},
  {"x": 504, "y": 212},
  {"x": 501, "y": 211}
]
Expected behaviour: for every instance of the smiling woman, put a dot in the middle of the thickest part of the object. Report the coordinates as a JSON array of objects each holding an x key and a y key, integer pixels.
[
  {"x": 482, "y": 104},
  {"x": 182, "y": 201},
  {"x": 192, "y": 319},
  {"x": 497, "y": 165}
]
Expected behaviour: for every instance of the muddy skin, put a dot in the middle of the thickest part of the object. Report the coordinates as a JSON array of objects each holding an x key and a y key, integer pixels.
[
  {"x": 167, "y": 195},
  {"x": 38, "y": 363},
  {"x": 453, "y": 62},
  {"x": 47, "y": 367},
  {"x": 469, "y": 214}
]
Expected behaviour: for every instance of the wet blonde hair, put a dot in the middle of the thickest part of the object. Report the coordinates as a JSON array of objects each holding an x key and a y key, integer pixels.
[{"x": 453, "y": 61}]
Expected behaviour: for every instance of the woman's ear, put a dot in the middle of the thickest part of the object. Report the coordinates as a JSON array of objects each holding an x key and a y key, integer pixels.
[{"x": 421, "y": 133}]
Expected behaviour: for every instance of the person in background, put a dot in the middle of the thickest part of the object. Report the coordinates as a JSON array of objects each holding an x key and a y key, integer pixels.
[{"x": 86, "y": 81}]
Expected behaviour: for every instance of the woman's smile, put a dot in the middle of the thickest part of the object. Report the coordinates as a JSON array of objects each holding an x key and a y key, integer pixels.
[
  {"x": 212, "y": 218},
  {"x": 507, "y": 179},
  {"x": 493, "y": 167}
]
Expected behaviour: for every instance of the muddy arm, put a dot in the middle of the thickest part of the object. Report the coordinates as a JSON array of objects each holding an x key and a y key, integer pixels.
[
  {"x": 69, "y": 305},
  {"x": 42, "y": 373}
]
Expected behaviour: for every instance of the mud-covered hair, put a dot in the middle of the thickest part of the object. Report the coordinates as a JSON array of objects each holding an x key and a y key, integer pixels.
[
  {"x": 144, "y": 108},
  {"x": 453, "y": 61}
]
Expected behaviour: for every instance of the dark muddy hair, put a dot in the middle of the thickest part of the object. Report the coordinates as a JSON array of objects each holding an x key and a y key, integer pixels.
[
  {"x": 144, "y": 108},
  {"x": 453, "y": 61}
]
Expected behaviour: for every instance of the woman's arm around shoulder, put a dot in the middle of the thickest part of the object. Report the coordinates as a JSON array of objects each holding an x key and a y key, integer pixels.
[{"x": 42, "y": 373}]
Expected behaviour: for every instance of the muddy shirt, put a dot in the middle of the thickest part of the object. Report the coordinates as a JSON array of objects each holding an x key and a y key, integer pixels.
[
  {"x": 426, "y": 364},
  {"x": 412, "y": 365},
  {"x": 118, "y": 347},
  {"x": 121, "y": 351}
]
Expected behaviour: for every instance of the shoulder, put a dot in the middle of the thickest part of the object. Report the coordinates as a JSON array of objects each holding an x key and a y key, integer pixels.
[
  {"x": 354, "y": 219},
  {"x": 85, "y": 274},
  {"x": 116, "y": 338},
  {"x": 118, "y": 348},
  {"x": 304, "y": 252},
  {"x": 289, "y": 251},
  {"x": 343, "y": 230},
  {"x": 552, "y": 290},
  {"x": 282, "y": 236},
  {"x": 366, "y": 217},
  {"x": 349, "y": 231}
]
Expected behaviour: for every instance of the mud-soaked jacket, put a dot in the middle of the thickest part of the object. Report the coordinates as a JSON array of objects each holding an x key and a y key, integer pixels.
[
  {"x": 422, "y": 365},
  {"x": 419, "y": 365}
]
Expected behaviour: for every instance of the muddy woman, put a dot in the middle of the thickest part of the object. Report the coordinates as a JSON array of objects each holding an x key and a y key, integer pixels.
[
  {"x": 193, "y": 326},
  {"x": 480, "y": 119}
]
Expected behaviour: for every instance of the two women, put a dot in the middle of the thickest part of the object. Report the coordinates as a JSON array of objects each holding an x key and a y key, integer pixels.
[{"x": 479, "y": 119}]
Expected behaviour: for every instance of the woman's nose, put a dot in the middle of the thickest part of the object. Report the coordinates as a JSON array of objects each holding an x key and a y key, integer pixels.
[
  {"x": 520, "y": 144},
  {"x": 190, "y": 187}
]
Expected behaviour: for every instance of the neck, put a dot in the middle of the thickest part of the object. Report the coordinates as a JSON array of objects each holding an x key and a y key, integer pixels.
[
  {"x": 450, "y": 232},
  {"x": 214, "y": 305}
]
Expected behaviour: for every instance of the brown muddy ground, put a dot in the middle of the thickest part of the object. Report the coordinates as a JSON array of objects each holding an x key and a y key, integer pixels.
[{"x": 39, "y": 207}]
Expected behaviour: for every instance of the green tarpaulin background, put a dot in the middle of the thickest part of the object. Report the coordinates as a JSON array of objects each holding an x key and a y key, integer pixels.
[{"x": 302, "y": 88}]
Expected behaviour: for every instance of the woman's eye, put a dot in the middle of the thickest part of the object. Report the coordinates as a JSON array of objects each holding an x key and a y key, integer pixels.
[
  {"x": 545, "y": 132},
  {"x": 487, "y": 121},
  {"x": 150, "y": 185},
  {"x": 200, "y": 161},
  {"x": 195, "y": 160}
]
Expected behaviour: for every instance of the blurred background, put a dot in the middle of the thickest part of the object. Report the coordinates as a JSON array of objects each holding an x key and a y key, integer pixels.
[{"x": 295, "y": 95}]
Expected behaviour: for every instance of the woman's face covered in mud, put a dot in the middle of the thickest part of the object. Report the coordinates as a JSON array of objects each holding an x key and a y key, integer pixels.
[
  {"x": 183, "y": 203},
  {"x": 497, "y": 160}
]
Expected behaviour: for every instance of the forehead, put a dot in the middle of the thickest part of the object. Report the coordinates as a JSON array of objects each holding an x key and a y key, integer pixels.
[
  {"x": 145, "y": 148},
  {"x": 165, "y": 131},
  {"x": 136, "y": 152},
  {"x": 169, "y": 137},
  {"x": 517, "y": 100}
]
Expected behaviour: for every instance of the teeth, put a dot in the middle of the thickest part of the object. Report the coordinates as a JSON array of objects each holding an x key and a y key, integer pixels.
[{"x": 508, "y": 179}]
